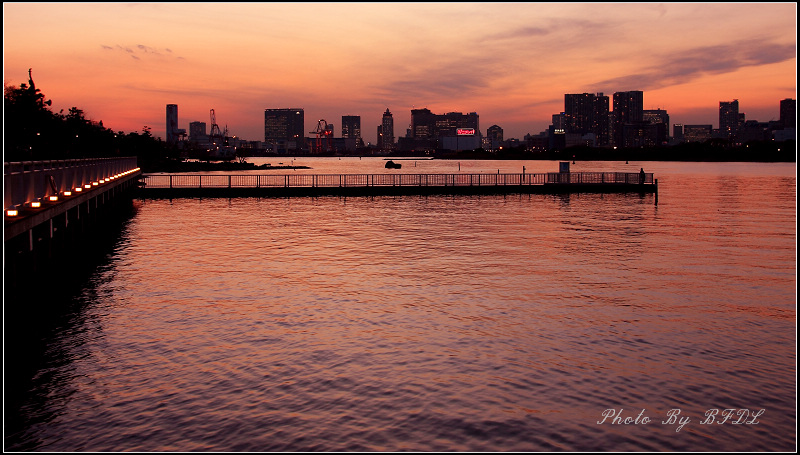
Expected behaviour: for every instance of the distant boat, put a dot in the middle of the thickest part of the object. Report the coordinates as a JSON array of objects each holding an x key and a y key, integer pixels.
[{"x": 392, "y": 165}]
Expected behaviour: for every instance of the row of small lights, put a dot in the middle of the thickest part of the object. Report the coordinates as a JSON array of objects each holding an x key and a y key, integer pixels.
[{"x": 68, "y": 193}]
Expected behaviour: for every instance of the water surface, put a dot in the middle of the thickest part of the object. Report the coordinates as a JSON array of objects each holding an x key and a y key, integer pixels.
[{"x": 466, "y": 323}]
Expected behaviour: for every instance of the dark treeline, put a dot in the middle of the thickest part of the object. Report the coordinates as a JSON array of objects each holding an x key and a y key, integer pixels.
[{"x": 34, "y": 132}]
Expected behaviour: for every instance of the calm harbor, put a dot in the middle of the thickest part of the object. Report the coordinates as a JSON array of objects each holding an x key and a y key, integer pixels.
[{"x": 485, "y": 322}]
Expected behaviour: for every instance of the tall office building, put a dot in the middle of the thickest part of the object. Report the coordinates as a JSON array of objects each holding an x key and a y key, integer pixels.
[
  {"x": 696, "y": 133},
  {"x": 729, "y": 118},
  {"x": 494, "y": 137},
  {"x": 386, "y": 131},
  {"x": 628, "y": 109},
  {"x": 587, "y": 113},
  {"x": 351, "y": 128},
  {"x": 494, "y": 133},
  {"x": 788, "y": 113},
  {"x": 423, "y": 122},
  {"x": 172, "y": 124},
  {"x": 660, "y": 118},
  {"x": 448, "y": 124},
  {"x": 282, "y": 126},
  {"x": 600, "y": 122},
  {"x": 578, "y": 113},
  {"x": 197, "y": 131},
  {"x": 428, "y": 130},
  {"x": 677, "y": 131}
]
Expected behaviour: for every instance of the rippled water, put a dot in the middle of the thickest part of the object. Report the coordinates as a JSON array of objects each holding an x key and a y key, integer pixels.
[{"x": 483, "y": 323}]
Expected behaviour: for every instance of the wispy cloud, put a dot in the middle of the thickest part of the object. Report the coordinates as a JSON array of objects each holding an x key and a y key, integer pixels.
[
  {"x": 684, "y": 66},
  {"x": 569, "y": 28},
  {"x": 140, "y": 50}
]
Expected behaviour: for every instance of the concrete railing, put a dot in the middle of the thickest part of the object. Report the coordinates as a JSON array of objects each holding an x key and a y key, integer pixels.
[{"x": 28, "y": 181}]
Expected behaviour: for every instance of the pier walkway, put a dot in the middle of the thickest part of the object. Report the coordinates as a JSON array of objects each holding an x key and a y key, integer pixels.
[
  {"x": 54, "y": 207},
  {"x": 252, "y": 185}
]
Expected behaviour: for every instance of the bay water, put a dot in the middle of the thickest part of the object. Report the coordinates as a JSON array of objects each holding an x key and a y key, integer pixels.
[{"x": 583, "y": 322}]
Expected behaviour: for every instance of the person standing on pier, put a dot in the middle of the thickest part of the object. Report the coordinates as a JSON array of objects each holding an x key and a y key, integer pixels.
[{"x": 641, "y": 176}]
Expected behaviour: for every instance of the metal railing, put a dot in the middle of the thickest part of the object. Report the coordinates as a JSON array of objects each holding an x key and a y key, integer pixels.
[
  {"x": 27, "y": 181},
  {"x": 382, "y": 180}
]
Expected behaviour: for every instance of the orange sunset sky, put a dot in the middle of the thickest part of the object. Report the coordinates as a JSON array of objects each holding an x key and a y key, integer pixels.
[{"x": 511, "y": 63}]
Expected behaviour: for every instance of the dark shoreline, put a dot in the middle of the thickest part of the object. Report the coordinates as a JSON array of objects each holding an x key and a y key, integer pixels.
[
  {"x": 205, "y": 166},
  {"x": 712, "y": 152}
]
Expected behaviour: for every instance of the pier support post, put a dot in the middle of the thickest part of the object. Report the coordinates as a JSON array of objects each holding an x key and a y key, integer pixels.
[{"x": 655, "y": 182}]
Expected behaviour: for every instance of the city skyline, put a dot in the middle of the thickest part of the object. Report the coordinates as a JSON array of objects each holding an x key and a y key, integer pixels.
[{"x": 510, "y": 63}]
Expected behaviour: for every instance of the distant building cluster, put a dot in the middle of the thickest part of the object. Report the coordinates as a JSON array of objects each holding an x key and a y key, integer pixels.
[{"x": 588, "y": 119}]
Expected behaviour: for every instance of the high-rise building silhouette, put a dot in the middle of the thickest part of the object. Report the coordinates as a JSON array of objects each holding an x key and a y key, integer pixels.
[
  {"x": 729, "y": 119},
  {"x": 559, "y": 122},
  {"x": 494, "y": 133},
  {"x": 494, "y": 137},
  {"x": 172, "y": 124},
  {"x": 677, "y": 131},
  {"x": 197, "y": 131},
  {"x": 284, "y": 128},
  {"x": 660, "y": 118},
  {"x": 578, "y": 112},
  {"x": 386, "y": 131},
  {"x": 628, "y": 109},
  {"x": 587, "y": 113},
  {"x": 600, "y": 122},
  {"x": 696, "y": 133},
  {"x": 351, "y": 128},
  {"x": 428, "y": 130},
  {"x": 423, "y": 124},
  {"x": 788, "y": 108}
]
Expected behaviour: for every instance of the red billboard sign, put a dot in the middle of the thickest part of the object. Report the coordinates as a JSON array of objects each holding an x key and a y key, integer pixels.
[{"x": 465, "y": 131}]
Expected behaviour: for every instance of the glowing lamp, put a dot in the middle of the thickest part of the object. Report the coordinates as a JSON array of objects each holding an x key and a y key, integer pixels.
[
  {"x": 87, "y": 186},
  {"x": 95, "y": 184},
  {"x": 78, "y": 189},
  {"x": 36, "y": 204},
  {"x": 53, "y": 198},
  {"x": 12, "y": 212},
  {"x": 67, "y": 193}
]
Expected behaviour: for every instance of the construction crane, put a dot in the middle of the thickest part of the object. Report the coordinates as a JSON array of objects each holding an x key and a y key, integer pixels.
[
  {"x": 216, "y": 136},
  {"x": 324, "y": 133},
  {"x": 219, "y": 140}
]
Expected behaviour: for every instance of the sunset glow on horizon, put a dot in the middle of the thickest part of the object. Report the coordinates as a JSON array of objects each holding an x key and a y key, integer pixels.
[{"x": 511, "y": 63}]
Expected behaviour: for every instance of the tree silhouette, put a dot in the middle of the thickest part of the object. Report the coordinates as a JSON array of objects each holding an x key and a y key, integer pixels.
[{"x": 34, "y": 132}]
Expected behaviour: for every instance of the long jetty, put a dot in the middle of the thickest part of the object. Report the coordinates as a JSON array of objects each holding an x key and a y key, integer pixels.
[
  {"x": 297, "y": 185},
  {"x": 56, "y": 211}
]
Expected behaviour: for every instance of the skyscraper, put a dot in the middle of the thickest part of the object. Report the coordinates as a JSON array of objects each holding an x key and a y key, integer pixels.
[
  {"x": 788, "y": 113},
  {"x": 677, "y": 131},
  {"x": 495, "y": 133},
  {"x": 386, "y": 131},
  {"x": 494, "y": 137},
  {"x": 729, "y": 118},
  {"x": 284, "y": 126},
  {"x": 600, "y": 122},
  {"x": 351, "y": 128},
  {"x": 423, "y": 122},
  {"x": 197, "y": 131},
  {"x": 172, "y": 124},
  {"x": 628, "y": 107},
  {"x": 578, "y": 112},
  {"x": 587, "y": 113},
  {"x": 660, "y": 118}
]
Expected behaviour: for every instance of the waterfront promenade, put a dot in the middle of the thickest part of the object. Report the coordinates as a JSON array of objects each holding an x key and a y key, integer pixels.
[
  {"x": 252, "y": 185},
  {"x": 55, "y": 207}
]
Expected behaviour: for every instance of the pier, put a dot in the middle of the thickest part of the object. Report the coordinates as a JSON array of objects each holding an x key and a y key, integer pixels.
[
  {"x": 56, "y": 210},
  {"x": 298, "y": 185}
]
